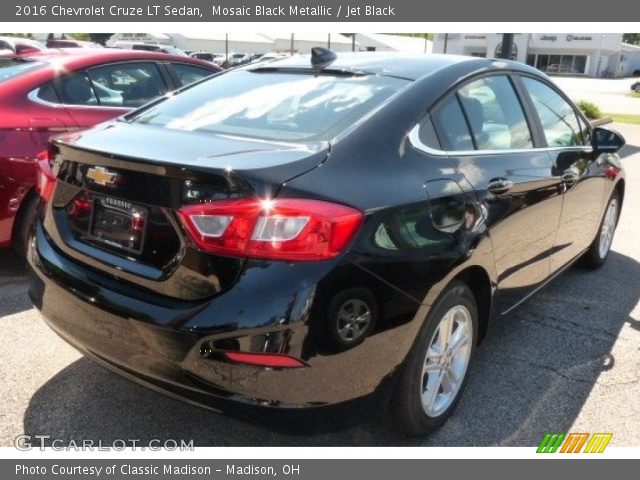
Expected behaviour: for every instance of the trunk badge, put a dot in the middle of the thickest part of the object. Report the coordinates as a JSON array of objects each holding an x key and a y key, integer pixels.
[{"x": 102, "y": 176}]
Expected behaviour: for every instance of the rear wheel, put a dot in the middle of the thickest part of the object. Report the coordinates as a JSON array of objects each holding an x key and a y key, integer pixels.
[
  {"x": 599, "y": 249},
  {"x": 436, "y": 370},
  {"x": 352, "y": 315},
  {"x": 24, "y": 224}
]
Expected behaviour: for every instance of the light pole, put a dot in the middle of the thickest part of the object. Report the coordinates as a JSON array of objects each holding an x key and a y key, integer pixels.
[{"x": 507, "y": 45}]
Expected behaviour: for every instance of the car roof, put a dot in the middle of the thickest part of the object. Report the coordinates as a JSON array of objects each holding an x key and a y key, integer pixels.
[
  {"x": 405, "y": 65},
  {"x": 79, "y": 57}
]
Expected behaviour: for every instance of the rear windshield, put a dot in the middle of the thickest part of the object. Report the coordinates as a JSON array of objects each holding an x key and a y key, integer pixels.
[
  {"x": 12, "y": 67},
  {"x": 273, "y": 105}
]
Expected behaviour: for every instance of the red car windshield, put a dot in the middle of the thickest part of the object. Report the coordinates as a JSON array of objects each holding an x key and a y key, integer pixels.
[{"x": 12, "y": 67}]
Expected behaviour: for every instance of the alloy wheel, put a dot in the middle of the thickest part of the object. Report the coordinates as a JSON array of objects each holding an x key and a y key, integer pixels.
[
  {"x": 354, "y": 317},
  {"x": 446, "y": 361},
  {"x": 608, "y": 228}
]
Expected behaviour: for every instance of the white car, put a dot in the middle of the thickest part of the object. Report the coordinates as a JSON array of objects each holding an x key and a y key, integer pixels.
[{"x": 19, "y": 46}]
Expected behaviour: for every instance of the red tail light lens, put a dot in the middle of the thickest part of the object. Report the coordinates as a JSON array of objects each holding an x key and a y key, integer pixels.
[
  {"x": 46, "y": 178},
  {"x": 269, "y": 360},
  {"x": 283, "y": 229}
]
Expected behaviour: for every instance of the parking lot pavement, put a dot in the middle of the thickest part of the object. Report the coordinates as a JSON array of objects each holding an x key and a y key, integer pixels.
[
  {"x": 568, "y": 360},
  {"x": 610, "y": 94}
]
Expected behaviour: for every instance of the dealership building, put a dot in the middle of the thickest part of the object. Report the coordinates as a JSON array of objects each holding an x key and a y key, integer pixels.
[{"x": 588, "y": 54}]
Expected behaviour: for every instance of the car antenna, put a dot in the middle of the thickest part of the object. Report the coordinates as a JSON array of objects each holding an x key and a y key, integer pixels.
[{"x": 322, "y": 57}]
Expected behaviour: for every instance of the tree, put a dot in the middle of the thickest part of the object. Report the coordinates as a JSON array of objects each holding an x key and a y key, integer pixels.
[
  {"x": 632, "y": 38},
  {"x": 79, "y": 36},
  {"x": 100, "y": 38}
]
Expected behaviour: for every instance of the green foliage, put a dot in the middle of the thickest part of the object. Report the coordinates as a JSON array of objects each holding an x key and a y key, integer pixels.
[
  {"x": 632, "y": 38},
  {"x": 79, "y": 36},
  {"x": 590, "y": 109}
]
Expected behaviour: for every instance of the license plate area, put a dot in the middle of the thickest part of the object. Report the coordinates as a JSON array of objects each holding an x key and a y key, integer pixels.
[{"x": 118, "y": 224}]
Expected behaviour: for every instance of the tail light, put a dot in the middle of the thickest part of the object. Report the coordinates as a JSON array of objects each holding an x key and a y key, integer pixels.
[
  {"x": 611, "y": 172},
  {"x": 282, "y": 229},
  {"x": 46, "y": 178}
]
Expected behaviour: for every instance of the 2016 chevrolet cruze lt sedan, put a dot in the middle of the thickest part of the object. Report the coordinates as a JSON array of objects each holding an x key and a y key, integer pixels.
[{"x": 319, "y": 229}]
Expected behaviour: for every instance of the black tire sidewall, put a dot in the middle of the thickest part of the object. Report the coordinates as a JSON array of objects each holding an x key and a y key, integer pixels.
[
  {"x": 411, "y": 418},
  {"x": 25, "y": 224}
]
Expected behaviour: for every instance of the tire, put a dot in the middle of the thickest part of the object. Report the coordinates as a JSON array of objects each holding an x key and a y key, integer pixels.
[
  {"x": 352, "y": 315},
  {"x": 25, "y": 222},
  {"x": 419, "y": 408},
  {"x": 599, "y": 250}
]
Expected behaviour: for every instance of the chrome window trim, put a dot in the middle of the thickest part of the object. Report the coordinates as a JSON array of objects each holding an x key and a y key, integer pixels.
[
  {"x": 414, "y": 139},
  {"x": 33, "y": 96}
]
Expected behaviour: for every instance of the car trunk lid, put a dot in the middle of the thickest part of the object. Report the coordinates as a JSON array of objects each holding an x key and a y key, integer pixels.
[{"x": 119, "y": 187}]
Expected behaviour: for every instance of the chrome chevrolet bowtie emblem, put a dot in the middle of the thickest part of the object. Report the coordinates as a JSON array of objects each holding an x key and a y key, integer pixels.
[{"x": 102, "y": 176}]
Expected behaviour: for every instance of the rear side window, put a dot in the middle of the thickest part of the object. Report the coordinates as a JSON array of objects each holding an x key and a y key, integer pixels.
[
  {"x": 495, "y": 115},
  {"x": 12, "y": 67},
  {"x": 189, "y": 73},
  {"x": 557, "y": 116},
  {"x": 48, "y": 93},
  {"x": 76, "y": 89},
  {"x": 127, "y": 85},
  {"x": 451, "y": 126}
]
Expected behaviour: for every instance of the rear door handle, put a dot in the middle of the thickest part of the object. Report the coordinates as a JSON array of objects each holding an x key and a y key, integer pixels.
[{"x": 500, "y": 185}]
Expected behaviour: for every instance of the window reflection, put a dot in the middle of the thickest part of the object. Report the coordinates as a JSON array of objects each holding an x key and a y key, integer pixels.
[{"x": 273, "y": 106}]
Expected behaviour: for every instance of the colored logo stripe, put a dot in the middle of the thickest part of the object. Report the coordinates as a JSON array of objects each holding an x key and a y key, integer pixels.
[
  {"x": 598, "y": 442},
  {"x": 550, "y": 443},
  {"x": 574, "y": 443}
]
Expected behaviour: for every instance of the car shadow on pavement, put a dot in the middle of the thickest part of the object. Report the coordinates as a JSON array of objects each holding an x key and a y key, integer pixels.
[
  {"x": 629, "y": 150},
  {"x": 532, "y": 375},
  {"x": 14, "y": 284}
]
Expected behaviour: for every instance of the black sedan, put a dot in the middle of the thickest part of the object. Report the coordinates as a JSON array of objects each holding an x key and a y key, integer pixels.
[{"x": 321, "y": 229}]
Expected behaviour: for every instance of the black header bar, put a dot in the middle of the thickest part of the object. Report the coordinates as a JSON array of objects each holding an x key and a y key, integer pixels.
[{"x": 315, "y": 11}]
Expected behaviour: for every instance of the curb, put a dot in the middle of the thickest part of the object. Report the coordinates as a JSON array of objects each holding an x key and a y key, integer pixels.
[{"x": 601, "y": 121}]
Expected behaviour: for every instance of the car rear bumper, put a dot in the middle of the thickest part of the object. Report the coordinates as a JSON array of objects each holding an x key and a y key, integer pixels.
[{"x": 167, "y": 346}]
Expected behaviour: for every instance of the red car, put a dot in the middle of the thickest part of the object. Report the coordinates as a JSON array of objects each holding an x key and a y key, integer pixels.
[{"x": 54, "y": 91}]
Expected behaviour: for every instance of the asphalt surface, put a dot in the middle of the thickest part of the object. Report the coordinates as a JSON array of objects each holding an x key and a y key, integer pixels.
[
  {"x": 568, "y": 360},
  {"x": 610, "y": 94}
]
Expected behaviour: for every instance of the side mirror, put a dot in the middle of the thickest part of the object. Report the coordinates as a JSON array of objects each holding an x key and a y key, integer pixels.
[{"x": 606, "y": 141}]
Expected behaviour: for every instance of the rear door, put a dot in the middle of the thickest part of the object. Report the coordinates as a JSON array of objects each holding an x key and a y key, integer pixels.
[
  {"x": 485, "y": 129},
  {"x": 567, "y": 136}
]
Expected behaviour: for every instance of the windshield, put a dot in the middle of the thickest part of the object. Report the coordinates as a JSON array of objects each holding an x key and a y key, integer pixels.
[
  {"x": 12, "y": 67},
  {"x": 272, "y": 105}
]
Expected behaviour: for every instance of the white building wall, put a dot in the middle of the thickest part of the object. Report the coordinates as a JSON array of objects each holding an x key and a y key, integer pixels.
[
  {"x": 381, "y": 42},
  {"x": 602, "y": 50}
]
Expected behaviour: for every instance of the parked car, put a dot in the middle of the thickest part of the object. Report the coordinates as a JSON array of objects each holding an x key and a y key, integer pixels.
[
  {"x": 55, "y": 91},
  {"x": 558, "y": 68},
  {"x": 306, "y": 232},
  {"x": 19, "y": 46},
  {"x": 203, "y": 56},
  {"x": 270, "y": 57},
  {"x": 70, "y": 43},
  {"x": 237, "y": 59}
]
